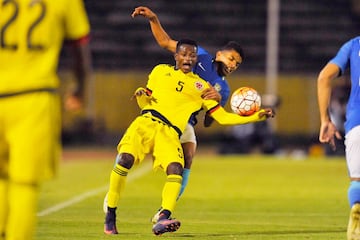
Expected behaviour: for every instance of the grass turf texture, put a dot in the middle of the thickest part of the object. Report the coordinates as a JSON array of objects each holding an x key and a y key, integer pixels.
[{"x": 228, "y": 197}]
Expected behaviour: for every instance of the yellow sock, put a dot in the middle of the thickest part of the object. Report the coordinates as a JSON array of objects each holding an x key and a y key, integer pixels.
[
  {"x": 3, "y": 204},
  {"x": 117, "y": 184},
  {"x": 171, "y": 192},
  {"x": 23, "y": 199}
]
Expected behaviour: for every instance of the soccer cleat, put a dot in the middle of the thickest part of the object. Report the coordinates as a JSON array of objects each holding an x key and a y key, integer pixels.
[
  {"x": 166, "y": 225},
  {"x": 353, "y": 229},
  {"x": 155, "y": 218},
  {"x": 110, "y": 223}
]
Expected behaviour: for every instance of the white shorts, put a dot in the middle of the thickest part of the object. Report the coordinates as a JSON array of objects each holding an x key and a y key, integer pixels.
[
  {"x": 352, "y": 152},
  {"x": 188, "y": 134}
]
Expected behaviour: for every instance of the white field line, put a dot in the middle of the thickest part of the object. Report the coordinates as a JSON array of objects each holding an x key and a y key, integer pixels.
[{"x": 134, "y": 175}]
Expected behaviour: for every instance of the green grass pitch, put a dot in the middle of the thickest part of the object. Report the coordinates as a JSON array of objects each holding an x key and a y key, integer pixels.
[{"x": 228, "y": 197}]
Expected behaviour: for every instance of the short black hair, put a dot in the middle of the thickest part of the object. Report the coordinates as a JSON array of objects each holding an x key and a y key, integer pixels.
[
  {"x": 233, "y": 45},
  {"x": 185, "y": 41}
]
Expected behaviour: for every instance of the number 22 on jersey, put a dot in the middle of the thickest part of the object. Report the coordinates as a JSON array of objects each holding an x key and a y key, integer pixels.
[{"x": 20, "y": 25}]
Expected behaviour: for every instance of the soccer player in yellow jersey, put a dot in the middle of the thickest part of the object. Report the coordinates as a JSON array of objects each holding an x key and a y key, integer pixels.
[
  {"x": 171, "y": 96},
  {"x": 31, "y": 37},
  {"x": 213, "y": 69}
]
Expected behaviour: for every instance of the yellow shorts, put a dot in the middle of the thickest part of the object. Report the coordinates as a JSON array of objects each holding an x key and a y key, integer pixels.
[
  {"x": 30, "y": 128},
  {"x": 147, "y": 134}
]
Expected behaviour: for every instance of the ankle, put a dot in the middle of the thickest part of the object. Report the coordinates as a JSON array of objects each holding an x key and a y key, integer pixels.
[
  {"x": 111, "y": 210},
  {"x": 164, "y": 214}
]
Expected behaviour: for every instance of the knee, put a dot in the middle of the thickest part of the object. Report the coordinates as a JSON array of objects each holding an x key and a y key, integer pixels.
[
  {"x": 174, "y": 168},
  {"x": 125, "y": 160},
  {"x": 189, "y": 153}
]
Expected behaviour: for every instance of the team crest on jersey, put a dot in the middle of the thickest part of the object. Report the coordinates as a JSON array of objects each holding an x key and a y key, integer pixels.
[
  {"x": 199, "y": 85},
  {"x": 217, "y": 87}
]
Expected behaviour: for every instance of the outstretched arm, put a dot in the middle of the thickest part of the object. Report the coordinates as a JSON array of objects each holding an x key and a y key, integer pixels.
[
  {"x": 161, "y": 37},
  {"x": 226, "y": 118},
  {"x": 328, "y": 130}
]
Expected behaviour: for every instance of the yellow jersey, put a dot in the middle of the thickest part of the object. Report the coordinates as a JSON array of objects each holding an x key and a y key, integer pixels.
[
  {"x": 31, "y": 37},
  {"x": 176, "y": 95}
]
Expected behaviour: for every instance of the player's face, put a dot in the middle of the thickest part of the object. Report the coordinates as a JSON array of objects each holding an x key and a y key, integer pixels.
[
  {"x": 230, "y": 60},
  {"x": 186, "y": 57}
]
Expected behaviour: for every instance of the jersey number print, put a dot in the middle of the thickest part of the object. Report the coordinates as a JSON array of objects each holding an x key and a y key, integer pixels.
[
  {"x": 180, "y": 86},
  {"x": 12, "y": 20}
]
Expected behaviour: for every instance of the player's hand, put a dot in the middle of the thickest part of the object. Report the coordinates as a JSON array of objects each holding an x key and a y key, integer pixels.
[
  {"x": 142, "y": 92},
  {"x": 72, "y": 103},
  {"x": 267, "y": 112},
  {"x": 328, "y": 132},
  {"x": 138, "y": 93},
  {"x": 208, "y": 120},
  {"x": 211, "y": 93},
  {"x": 143, "y": 11}
]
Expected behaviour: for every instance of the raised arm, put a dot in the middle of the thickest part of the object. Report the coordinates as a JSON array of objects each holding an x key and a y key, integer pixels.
[
  {"x": 226, "y": 118},
  {"x": 161, "y": 37}
]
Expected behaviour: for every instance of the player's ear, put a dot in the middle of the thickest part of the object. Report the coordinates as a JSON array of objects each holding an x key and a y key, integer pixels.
[
  {"x": 176, "y": 61},
  {"x": 218, "y": 54}
]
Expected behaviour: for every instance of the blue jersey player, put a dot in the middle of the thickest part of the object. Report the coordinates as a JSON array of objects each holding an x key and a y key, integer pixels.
[
  {"x": 211, "y": 69},
  {"x": 347, "y": 57}
]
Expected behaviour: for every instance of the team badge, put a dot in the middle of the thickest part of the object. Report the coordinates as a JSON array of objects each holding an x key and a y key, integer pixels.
[
  {"x": 217, "y": 87},
  {"x": 199, "y": 85}
]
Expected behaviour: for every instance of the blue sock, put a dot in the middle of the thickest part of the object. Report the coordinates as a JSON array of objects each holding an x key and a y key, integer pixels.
[
  {"x": 185, "y": 175},
  {"x": 354, "y": 193}
]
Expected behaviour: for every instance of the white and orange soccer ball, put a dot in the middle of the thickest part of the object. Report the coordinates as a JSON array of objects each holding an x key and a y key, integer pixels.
[{"x": 245, "y": 101}]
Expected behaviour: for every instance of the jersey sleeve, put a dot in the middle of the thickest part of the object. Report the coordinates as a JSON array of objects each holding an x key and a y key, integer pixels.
[
  {"x": 225, "y": 118},
  {"x": 76, "y": 20},
  {"x": 143, "y": 99},
  {"x": 154, "y": 76},
  {"x": 225, "y": 93},
  {"x": 343, "y": 56},
  {"x": 202, "y": 51}
]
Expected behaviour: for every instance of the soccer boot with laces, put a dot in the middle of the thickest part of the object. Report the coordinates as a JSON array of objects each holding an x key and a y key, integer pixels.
[
  {"x": 353, "y": 229},
  {"x": 110, "y": 223},
  {"x": 166, "y": 225}
]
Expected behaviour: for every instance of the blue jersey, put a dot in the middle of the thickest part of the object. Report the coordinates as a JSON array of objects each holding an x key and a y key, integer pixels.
[
  {"x": 206, "y": 69},
  {"x": 349, "y": 56}
]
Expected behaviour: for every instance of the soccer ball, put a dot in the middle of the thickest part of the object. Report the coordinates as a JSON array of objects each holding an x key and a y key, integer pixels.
[{"x": 245, "y": 101}]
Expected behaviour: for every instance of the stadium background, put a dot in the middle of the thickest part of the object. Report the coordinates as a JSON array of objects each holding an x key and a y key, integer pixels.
[{"x": 124, "y": 52}]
